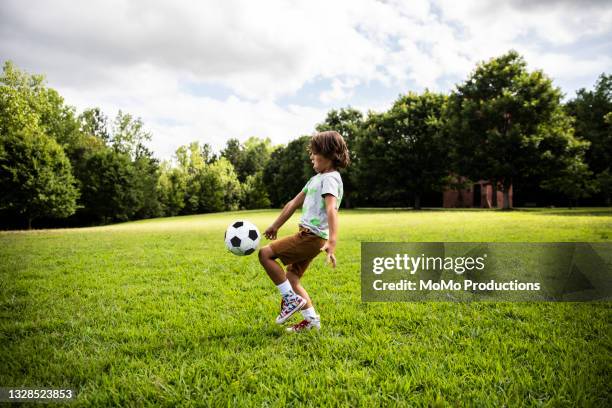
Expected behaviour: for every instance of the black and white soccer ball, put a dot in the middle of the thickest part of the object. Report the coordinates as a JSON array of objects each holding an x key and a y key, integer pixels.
[{"x": 242, "y": 238}]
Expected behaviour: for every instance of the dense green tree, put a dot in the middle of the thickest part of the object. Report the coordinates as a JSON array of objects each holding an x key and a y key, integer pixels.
[
  {"x": 592, "y": 111},
  {"x": 129, "y": 136},
  {"x": 55, "y": 119},
  {"x": 233, "y": 152},
  {"x": 122, "y": 148},
  {"x": 93, "y": 122},
  {"x": 561, "y": 164},
  {"x": 272, "y": 180},
  {"x": 108, "y": 187},
  {"x": 288, "y": 170},
  {"x": 192, "y": 157},
  {"x": 256, "y": 155},
  {"x": 146, "y": 171},
  {"x": 35, "y": 176},
  {"x": 506, "y": 124},
  {"x": 171, "y": 188},
  {"x": 604, "y": 184},
  {"x": 403, "y": 154},
  {"x": 255, "y": 192},
  {"x": 94, "y": 140},
  {"x": 86, "y": 172},
  {"x": 574, "y": 181},
  {"x": 219, "y": 188},
  {"x": 199, "y": 183},
  {"x": 87, "y": 141},
  {"x": 192, "y": 162},
  {"x": 249, "y": 158},
  {"x": 207, "y": 154}
]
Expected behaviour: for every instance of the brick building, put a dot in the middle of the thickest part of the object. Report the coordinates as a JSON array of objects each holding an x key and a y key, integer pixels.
[{"x": 478, "y": 195}]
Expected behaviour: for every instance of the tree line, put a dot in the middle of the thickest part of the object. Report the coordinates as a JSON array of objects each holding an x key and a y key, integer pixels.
[{"x": 504, "y": 124}]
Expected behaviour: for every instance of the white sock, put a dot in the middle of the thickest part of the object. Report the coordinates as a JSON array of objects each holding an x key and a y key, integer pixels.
[
  {"x": 285, "y": 288},
  {"x": 309, "y": 314}
]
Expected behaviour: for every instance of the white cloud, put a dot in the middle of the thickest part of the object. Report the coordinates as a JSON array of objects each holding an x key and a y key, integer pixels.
[
  {"x": 339, "y": 91},
  {"x": 176, "y": 118},
  {"x": 260, "y": 50},
  {"x": 138, "y": 55}
]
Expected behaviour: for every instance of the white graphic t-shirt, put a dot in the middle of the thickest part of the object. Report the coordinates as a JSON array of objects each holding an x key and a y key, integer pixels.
[{"x": 314, "y": 216}]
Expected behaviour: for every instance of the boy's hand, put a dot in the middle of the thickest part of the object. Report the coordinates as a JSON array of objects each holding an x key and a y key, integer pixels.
[
  {"x": 271, "y": 232},
  {"x": 330, "y": 248}
]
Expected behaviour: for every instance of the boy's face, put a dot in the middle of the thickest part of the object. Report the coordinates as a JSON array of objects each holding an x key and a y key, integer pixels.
[{"x": 320, "y": 163}]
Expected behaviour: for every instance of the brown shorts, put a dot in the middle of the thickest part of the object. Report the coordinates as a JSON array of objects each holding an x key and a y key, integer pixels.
[{"x": 296, "y": 251}]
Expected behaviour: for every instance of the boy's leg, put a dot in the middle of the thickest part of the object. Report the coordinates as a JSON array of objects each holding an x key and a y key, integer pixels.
[
  {"x": 311, "y": 319},
  {"x": 291, "y": 302},
  {"x": 273, "y": 269},
  {"x": 294, "y": 273}
]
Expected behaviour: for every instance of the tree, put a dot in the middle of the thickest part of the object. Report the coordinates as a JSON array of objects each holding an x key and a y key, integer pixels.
[
  {"x": 94, "y": 152},
  {"x": 193, "y": 157},
  {"x": 574, "y": 181},
  {"x": 219, "y": 188},
  {"x": 402, "y": 153},
  {"x": 94, "y": 140},
  {"x": 233, "y": 152},
  {"x": 349, "y": 123},
  {"x": 108, "y": 187},
  {"x": 255, "y": 193},
  {"x": 248, "y": 158},
  {"x": 256, "y": 155},
  {"x": 604, "y": 184},
  {"x": 592, "y": 111},
  {"x": 506, "y": 124},
  {"x": 171, "y": 189},
  {"x": 54, "y": 118},
  {"x": 288, "y": 171},
  {"x": 207, "y": 154},
  {"x": 93, "y": 122},
  {"x": 191, "y": 161},
  {"x": 35, "y": 175},
  {"x": 146, "y": 175},
  {"x": 128, "y": 136},
  {"x": 200, "y": 183}
]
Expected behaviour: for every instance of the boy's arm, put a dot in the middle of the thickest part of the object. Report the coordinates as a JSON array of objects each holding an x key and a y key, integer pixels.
[
  {"x": 332, "y": 220},
  {"x": 285, "y": 214}
]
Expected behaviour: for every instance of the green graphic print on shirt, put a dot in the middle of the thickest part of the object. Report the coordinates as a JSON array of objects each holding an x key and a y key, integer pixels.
[{"x": 314, "y": 215}]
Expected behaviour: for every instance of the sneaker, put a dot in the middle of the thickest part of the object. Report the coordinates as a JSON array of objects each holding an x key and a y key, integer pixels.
[
  {"x": 305, "y": 325},
  {"x": 290, "y": 305}
]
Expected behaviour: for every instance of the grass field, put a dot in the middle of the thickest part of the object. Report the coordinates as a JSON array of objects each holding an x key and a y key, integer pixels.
[{"x": 157, "y": 312}]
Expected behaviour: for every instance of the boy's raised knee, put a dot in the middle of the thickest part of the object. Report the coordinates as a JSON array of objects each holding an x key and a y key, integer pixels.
[{"x": 265, "y": 253}]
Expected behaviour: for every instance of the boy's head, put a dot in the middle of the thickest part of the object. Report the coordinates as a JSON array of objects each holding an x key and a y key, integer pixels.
[{"x": 330, "y": 145}]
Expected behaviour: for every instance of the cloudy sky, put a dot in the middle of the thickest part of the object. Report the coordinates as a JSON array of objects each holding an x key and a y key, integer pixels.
[{"x": 211, "y": 70}]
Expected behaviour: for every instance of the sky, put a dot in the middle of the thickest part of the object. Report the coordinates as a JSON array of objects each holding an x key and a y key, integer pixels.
[{"x": 212, "y": 70}]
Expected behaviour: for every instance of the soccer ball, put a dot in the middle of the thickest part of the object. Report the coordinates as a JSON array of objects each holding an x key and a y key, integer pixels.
[{"x": 242, "y": 237}]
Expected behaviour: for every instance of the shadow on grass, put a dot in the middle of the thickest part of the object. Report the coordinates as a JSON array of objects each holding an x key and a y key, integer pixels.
[
  {"x": 583, "y": 212},
  {"x": 371, "y": 210},
  {"x": 574, "y": 212}
]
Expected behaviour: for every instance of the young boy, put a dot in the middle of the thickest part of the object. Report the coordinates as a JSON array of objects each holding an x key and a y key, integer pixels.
[{"x": 318, "y": 230}]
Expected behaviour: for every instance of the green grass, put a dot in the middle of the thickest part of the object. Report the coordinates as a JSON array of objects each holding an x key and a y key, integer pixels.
[{"x": 157, "y": 312}]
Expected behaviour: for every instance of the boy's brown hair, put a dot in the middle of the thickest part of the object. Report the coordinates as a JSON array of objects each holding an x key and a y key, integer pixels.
[{"x": 331, "y": 145}]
